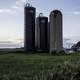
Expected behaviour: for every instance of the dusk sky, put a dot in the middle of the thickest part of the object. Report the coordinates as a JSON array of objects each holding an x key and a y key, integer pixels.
[{"x": 12, "y": 17}]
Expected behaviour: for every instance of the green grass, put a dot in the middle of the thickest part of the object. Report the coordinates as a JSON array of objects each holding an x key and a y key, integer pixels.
[{"x": 33, "y": 66}]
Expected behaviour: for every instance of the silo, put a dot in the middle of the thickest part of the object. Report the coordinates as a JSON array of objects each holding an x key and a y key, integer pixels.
[
  {"x": 42, "y": 38},
  {"x": 56, "y": 31},
  {"x": 29, "y": 30}
]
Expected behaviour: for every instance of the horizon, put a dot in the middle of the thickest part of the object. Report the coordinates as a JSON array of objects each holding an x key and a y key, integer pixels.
[{"x": 12, "y": 19}]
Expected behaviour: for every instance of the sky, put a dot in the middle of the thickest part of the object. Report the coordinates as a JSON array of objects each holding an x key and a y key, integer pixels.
[{"x": 12, "y": 18}]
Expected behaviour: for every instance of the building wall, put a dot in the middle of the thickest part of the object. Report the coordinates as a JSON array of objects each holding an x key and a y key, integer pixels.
[
  {"x": 29, "y": 32},
  {"x": 42, "y": 41},
  {"x": 56, "y": 37}
]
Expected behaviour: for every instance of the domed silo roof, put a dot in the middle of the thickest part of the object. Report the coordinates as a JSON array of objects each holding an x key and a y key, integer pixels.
[{"x": 54, "y": 12}]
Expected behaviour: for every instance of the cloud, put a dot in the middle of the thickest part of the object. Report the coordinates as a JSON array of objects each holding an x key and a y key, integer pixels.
[
  {"x": 10, "y": 44},
  {"x": 73, "y": 13},
  {"x": 17, "y": 8},
  {"x": 13, "y": 9},
  {"x": 5, "y": 10},
  {"x": 20, "y": 2},
  {"x": 76, "y": 12}
]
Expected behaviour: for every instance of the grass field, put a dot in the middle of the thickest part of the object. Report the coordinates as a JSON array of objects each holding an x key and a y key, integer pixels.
[{"x": 39, "y": 66}]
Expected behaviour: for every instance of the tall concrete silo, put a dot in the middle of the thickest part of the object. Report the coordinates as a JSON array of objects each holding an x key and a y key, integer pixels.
[
  {"x": 29, "y": 30},
  {"x": 56, "y": 31},
  {"x": 41, "y": 37}
]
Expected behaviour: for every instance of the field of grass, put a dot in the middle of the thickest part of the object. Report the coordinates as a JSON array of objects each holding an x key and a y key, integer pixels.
[{"x": 39, "y": 66}]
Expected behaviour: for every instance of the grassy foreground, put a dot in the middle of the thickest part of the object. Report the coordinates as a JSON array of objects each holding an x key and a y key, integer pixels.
[{"x": 39, "y": 67}]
